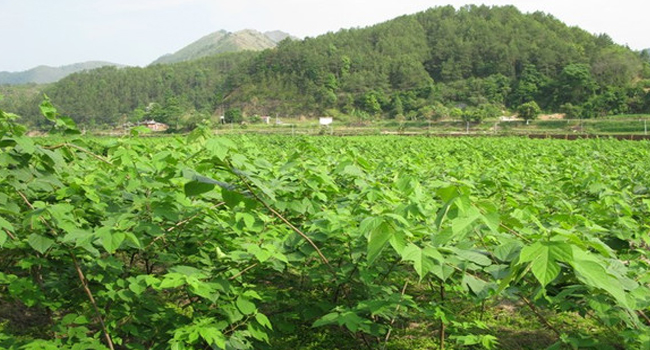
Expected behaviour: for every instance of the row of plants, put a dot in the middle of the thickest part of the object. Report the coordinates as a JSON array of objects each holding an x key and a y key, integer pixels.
[{"x": 270, "y": 242}]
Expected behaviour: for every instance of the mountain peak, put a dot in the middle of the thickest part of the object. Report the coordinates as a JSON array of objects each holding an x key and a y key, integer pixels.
[{"x": 223, "y": 41}]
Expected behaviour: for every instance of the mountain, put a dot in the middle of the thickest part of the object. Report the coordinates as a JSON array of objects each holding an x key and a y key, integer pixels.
[
  {"x": 47, "y": 74},
  {"x": 223, "y": 41},
  {"x": 426, "y": 64},
  {"x": 474, "y": 61},
  {"x": 278, "y": 36}
]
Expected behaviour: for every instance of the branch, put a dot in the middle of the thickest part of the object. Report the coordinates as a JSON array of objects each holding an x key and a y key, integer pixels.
[
  {"x": 10, "y": 234},
  {"x": 242, "y": 272},
  {"x": 514, "y": 233},
  {"x": 82, "y": 150},
  {"x": 644, "y": 316},
  {"x": 26, "y": 200},
  {"x": 98, "y": 314},
  {"x": 181, "y": 223},
  {"x": 392, "y": 321},
  {"x": 40, "y": 217},
  {"x": 279, "y": 216},
  {"x": 82, "y": 278},
  {"x": 540, "y": 316}
]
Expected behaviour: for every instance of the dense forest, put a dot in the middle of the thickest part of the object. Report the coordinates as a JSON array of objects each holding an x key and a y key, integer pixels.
[{"x": 475, "y": 61}]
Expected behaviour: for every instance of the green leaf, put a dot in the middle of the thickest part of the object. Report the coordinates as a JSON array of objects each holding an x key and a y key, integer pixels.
[
  {"x": 326, "y": 319},
  {"x": 39, "y": 243},
  {"x": 195, "y": 188},
  {"x": 460, "y": 225},
  {"x": 422, "y": 263},
  {"x": 136, "y": 287},
  {"x": 220, "y": 147},
  {"x": 472, "y": 256},
  {"x": 544, "y": 256},
  {"x": 172, "y": 280},
  {"x": 231, "y": 198},
  {"x": 350, "y": 320},
  {"x": 109, "y": 240},
  {"x": 48, "y": 110},
  {"x": 6, "y": 225},
  {"x": 477, "y": 286},
  {"x": 508, "y": 251},
  {"x": 377, "y": 239},
  {"x": 593, "y": 273},
  {"x": 141, "y": 129},
  {"x": 213, "y": 336},
  {"x": 245, "y": 306},
  {"x": 263, "y": 320},
  {"x": 353, "y": 170},
  {"x": 398, "y": 241},
  {"x": 26, "y": 144},
  {"x": 249, "y": 220},
  {"x": 131, "y": 237}
]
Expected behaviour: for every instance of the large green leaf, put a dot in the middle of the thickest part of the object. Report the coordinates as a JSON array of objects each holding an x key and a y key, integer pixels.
[
  {"x": 110, "y": 240},
  {"x": 4, "y": 225},
  {"x": 421, "y": 263},
  {"x": 195, "y": 188},
  {"x": 473, "y": 256},
  {"x": 245, "y": 306},
  {"x": 591, "y": 271},
  {"x": 220, "y": 147},
  {"x": 39, "y": 243},
  {"x": 544, "y": 257},
  {"x": 379, "y": 233}
]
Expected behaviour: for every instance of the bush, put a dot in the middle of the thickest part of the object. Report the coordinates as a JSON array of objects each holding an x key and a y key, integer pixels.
[
  {"x": 234, "y": 115},
  {"x": 529, "y": 110}
]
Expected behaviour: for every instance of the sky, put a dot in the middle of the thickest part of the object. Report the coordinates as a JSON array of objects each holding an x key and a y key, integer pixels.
[{"x": 136, "y": 32}]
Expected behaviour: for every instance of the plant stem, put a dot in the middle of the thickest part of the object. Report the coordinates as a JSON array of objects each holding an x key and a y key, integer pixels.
[
  {"x": 540, "y": 316},
  {"x": 242, "y": 272},
  {"x": 98, "y": 314},
  {"x": 442, "y": 322},
  {"x": 10, "y": 234},
  {"x": 392, "y": 321},
  {"x": 82, "y": 150},
  {"x": 279, "y": 216}
]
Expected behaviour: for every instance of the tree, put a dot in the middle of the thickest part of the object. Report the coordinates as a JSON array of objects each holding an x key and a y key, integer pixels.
[
  {"x": 575, "y": 84},
  {"x": 529, "y": 110},
  {"x": 233, "y": 115},
  {"x": 370, "y": 103},
  {"x": 398, "y": 107},
  {"x": 571, "y": 111},
  {"x": 528, "y": 87}
]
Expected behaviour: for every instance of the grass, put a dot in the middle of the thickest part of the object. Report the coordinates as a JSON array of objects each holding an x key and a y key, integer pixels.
[{"x": 603, "y": 126}]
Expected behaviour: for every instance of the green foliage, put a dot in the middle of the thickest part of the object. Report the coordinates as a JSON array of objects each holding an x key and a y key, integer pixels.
[
  {"x": 233, "y": 115},
  {"x": 212, "y": 242},
  {"x": 529, "y": 110},
  {"x": 473, "y": 56}
]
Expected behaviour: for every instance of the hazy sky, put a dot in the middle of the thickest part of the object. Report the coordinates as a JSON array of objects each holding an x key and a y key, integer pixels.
[{"x": 136, "y": 32}]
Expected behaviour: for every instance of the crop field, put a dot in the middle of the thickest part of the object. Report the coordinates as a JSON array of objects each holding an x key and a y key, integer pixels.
[{"x": 281, "y": 242}]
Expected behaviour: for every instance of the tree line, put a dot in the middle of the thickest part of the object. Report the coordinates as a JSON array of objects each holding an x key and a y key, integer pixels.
[{"x": 473, "y": 62}]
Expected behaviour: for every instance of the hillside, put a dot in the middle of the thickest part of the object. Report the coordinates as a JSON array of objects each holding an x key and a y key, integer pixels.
[
  {"x": 223, "y": 41},
  {"x": 473, "y": 62},
  {"x": 420, "y": 66},
  {"x": 46, "y": 74},
  {"x": 107, "y": 96}
]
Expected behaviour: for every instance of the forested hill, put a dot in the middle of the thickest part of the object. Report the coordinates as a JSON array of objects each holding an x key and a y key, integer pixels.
[
  {"x": 47, "y": 74},
  {"x": 429, "y": 65},
  {"x": 474, "y": 56},
  {"x": 223, "y": 41}
]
